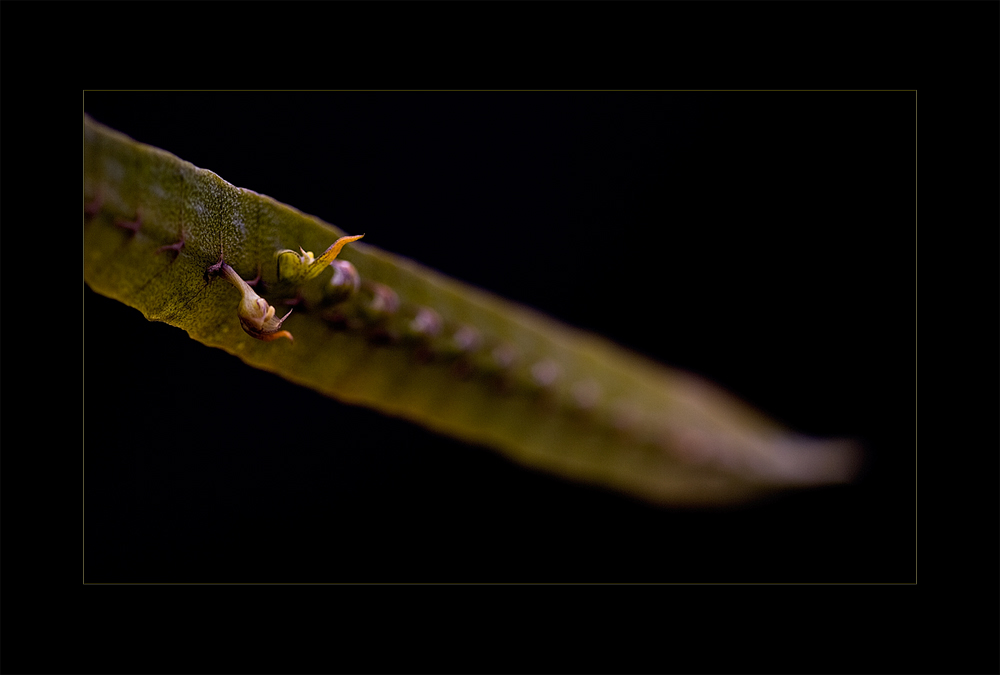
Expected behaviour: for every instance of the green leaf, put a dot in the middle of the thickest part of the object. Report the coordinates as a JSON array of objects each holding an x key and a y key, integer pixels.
[{"x": 162, "y": 235}]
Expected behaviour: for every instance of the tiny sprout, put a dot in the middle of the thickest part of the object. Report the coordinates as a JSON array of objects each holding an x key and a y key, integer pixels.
[
  {"x": 426, "y": 324},
  {"x": 299, "y": 268},
  {"x": 256, "y": 315},
  {"x": 384, "y": 302},
  {"x": 344, "y": 283}
]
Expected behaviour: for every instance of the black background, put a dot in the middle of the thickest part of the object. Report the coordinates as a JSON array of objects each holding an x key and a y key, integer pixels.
[{"x": 764, "y": 240}]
